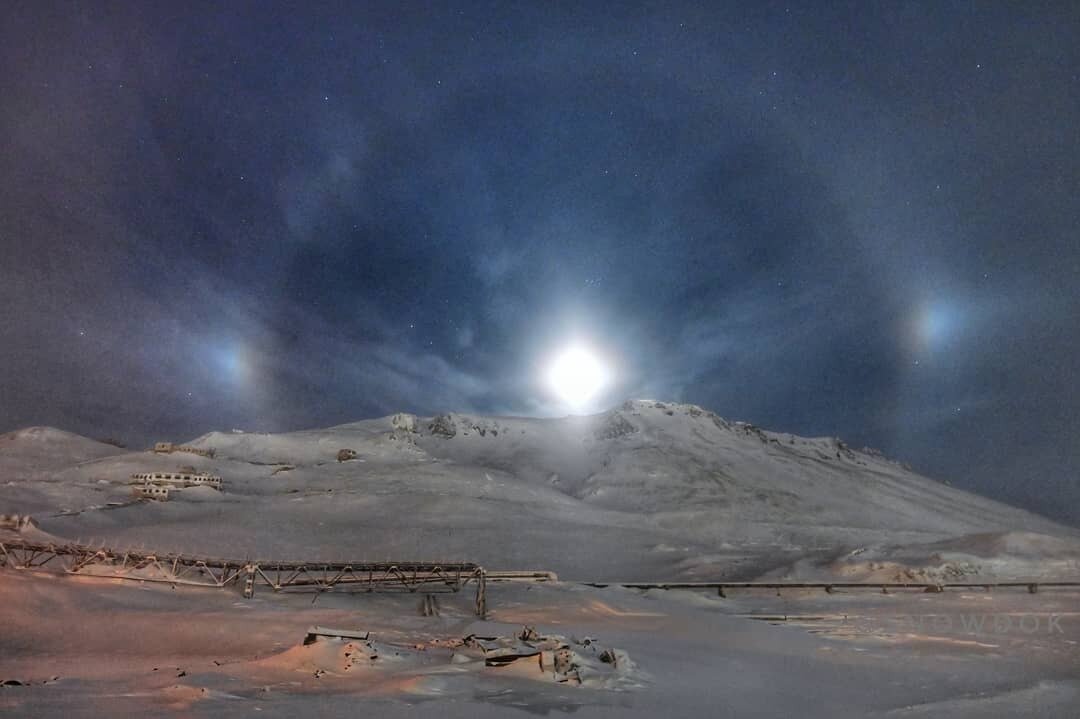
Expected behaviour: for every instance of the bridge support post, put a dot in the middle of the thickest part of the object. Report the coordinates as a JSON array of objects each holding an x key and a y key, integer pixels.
[
  {"x": 249, "y": 581},
  {"x": 481, "y": 594}
]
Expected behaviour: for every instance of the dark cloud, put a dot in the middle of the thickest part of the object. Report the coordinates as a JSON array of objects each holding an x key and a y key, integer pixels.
[{"x": 837, "y": 221}]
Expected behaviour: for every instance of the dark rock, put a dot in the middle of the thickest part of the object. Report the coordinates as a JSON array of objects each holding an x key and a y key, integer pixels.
[
  {"x": 614, "y": 426},
  {"x": 443, "y": 426}
]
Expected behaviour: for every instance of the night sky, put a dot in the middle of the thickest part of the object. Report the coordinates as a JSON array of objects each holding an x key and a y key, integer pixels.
[{"x": 829, "y": 220}]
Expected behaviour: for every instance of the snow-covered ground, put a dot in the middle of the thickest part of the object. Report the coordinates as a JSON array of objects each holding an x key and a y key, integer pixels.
[
  {"x": 89, "y": 648},
  {"x": 648, "y": 491}
]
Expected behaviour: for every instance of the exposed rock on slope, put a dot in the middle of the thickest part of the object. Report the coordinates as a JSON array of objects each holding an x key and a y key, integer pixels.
[{"x": 613, "y": 427}]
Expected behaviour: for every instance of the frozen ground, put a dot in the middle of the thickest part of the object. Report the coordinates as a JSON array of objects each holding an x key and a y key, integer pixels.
[
  {"x": 649, "y": 491},
  {"x": 126, "y": 650}
]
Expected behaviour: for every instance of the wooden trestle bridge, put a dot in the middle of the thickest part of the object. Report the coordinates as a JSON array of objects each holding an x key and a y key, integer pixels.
[{"x": 186, "y": 570}]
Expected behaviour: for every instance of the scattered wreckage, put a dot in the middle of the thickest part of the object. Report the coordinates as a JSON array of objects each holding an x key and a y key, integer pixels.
[
  {"x": 526, "y": 654},
  {"x": 569, "y": 661},
  {"x": 17, "y": 522}
]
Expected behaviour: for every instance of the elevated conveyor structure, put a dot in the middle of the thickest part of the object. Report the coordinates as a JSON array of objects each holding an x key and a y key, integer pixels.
[{"x": 187, "y": 570}]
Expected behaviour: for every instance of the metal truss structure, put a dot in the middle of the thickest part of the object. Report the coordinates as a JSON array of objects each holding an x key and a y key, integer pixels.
[
  {"x": 408, "y": 577},
  {"x": 185, "y": 570}
]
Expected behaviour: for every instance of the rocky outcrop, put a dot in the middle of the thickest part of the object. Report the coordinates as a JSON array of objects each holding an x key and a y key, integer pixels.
[
  {"x": 443, "y": 426},
  {"x": 614, "y": 426},
  {"x": 484, "y": 428},
  {"x": 403, "y": 422},
  {"x": 451, "y": 425}
]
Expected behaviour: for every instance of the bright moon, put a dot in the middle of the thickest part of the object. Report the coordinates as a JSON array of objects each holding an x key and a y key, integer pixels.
[{"x": 576, "y": 376}]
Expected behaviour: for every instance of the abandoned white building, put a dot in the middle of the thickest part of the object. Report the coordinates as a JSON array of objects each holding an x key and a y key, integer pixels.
[
  {"x": 177, "y": 479},
  {"x": 169, "y": 448},
  {"x": 151, "y": 491}
]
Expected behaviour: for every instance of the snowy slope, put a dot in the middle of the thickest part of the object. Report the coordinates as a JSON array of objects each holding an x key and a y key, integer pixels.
[
  {"x": 29, "y": 452},
  {"x": 648, "y": 490},
  {"x": 988, "y": 556},
  {"x": 659, "y": 458}
]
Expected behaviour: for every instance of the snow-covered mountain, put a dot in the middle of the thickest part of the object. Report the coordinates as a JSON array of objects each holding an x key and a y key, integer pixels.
[{"x": 649, "y": 489}]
